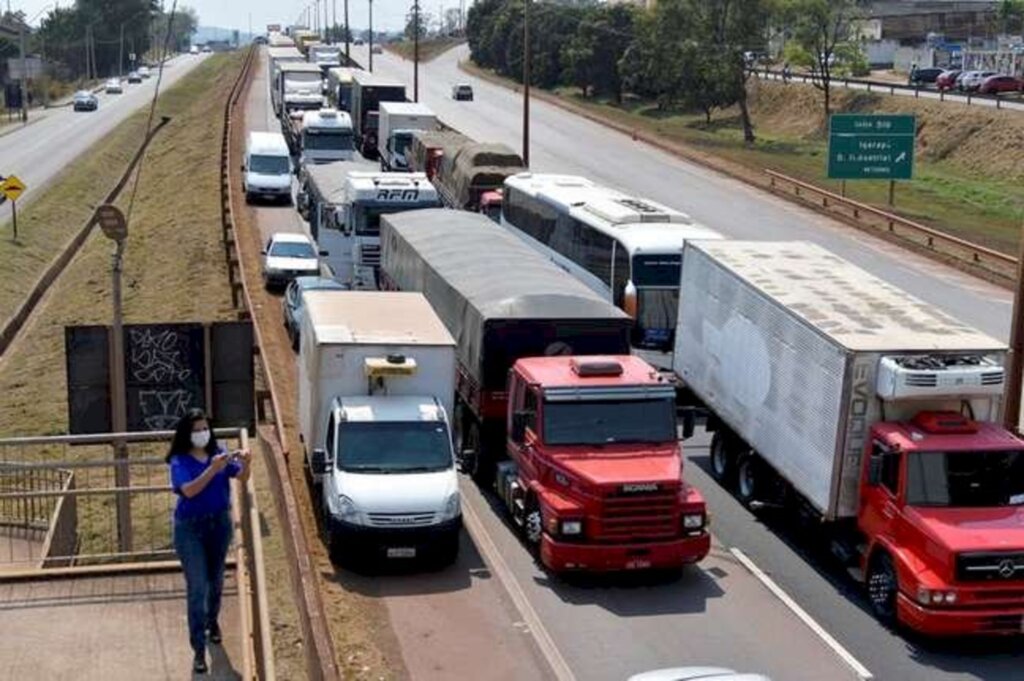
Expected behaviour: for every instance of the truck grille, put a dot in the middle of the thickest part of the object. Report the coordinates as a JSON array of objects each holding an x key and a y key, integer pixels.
[
  {"x": 985, "y": 566},
  {"x": 400, "y": 519},
  {"x": 638, "y": 517},
  {"x": 369, "y": 255}
]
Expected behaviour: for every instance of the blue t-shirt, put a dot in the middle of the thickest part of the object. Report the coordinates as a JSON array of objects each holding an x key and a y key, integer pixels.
[{"x": 215, "y": 497}]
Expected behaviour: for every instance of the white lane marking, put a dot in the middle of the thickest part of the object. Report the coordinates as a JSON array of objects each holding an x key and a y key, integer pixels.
[
  {"x": 499, "y": 567},
  {"x": 860, "y": 670}
]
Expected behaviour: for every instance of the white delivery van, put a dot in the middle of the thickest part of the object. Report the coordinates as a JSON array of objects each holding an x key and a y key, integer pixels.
[
  {"x": 267, "y": 167},
  {"x": 376, "y": 388}
]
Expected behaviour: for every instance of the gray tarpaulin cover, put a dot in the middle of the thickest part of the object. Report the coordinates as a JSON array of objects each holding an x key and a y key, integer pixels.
[{"x": 477, "y": 274}]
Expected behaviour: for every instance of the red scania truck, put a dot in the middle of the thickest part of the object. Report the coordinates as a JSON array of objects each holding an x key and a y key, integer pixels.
[
  {"x": 835, "y": 393},
  {"x": 577, "y": 437}
]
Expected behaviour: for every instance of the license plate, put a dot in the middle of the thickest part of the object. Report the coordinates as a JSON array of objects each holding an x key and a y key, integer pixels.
[
  {"x": 402, "y": 552},
  {"x": 638, "y": 564}
]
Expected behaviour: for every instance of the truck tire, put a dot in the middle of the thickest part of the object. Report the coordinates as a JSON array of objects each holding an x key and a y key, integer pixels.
[
  {"x": 749, "y": 478},
  {"x": 882, "y": 586},
  {"x": 533, "y": 526},
  {"x": 723, "y": 458}
]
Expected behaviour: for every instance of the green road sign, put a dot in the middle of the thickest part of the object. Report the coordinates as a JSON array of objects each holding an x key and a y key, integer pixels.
[{"x": 870, "y": 147}]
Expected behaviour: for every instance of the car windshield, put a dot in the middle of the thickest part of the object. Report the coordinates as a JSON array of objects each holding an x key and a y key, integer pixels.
[
  {"x": 334, "y": 140},
  {"x": 609, "y": 422},
  {"x": 393, "y": 447},
  {"x": 292, "y": 249},
  {"x": 269, "y": 165},
  {"x": 965, "y": 479}
]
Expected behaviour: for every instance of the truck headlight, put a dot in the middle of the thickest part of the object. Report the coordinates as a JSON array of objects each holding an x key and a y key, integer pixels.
[
  {"x": 572, "y": 527},
  {"x": 452, "y": 507},
  {"x": 693, "y": 521},
  {"x": 935, "y": 596},
  {"x": 348, "y": 511}
]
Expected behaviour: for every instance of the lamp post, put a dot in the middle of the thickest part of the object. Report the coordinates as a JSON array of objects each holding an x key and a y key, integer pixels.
[
  {"x": 348, "y": 57},
  {"x": 371, "y": 36},
  {"x": 526, "y": 82},
  {"x": 416, "y": 51}
]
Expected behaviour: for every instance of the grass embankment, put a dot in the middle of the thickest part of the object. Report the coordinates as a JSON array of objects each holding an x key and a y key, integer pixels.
[
  {"x": 174, "y": 272},
  {"x": 429, "y": 49},
  {"x": 969, "y": 160}
]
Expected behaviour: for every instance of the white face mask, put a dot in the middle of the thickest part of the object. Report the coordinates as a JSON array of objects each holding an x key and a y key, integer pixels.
[{"x": 200, "y": 438}]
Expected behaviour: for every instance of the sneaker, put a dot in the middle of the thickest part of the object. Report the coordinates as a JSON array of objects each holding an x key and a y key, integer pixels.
[
  {"x": 213, "y": 634},
  {"x": 199, "y": 664}
]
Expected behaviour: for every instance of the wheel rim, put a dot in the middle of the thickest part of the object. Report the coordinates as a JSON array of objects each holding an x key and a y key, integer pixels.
[
  {"x": 533, "y": 526},
  {"x": 719, "y": 462},
  {"x": 747, "y": 480},
  {"x": 881, "y": 588}
]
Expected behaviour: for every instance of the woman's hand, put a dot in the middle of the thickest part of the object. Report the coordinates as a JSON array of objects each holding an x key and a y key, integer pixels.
[{"x": 218, "y": 462}]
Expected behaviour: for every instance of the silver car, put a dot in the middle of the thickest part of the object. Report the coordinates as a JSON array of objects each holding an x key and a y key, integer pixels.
[
  {"x": 289, "y": 255},
  {"x": 85, "y": 101},
  {"x": 113, "y": 87}
]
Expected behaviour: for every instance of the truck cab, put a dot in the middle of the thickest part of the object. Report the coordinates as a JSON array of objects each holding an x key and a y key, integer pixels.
[
  {"x": 594, "y": 473},
  {"x": 388, "y": 481},
  {"x": 324, "y": 136}
]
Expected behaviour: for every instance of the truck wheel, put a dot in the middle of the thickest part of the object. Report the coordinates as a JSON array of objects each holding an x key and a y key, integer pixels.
[
  {"x": 882, "y": 586},
  {"x": 533, "y": 526},
  {"x": 723, "y": 459},
  {"x": 748, "y": 478}
]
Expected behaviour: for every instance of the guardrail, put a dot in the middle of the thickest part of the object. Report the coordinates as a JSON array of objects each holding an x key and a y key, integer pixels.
[
  {"x": 998, "y": 101},
  {"x": 989, "y": 263},
  {"x": 319, "y": 649}
]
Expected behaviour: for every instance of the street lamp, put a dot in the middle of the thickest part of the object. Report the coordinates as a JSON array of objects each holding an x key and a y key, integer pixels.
[
  {"x": 371, "y": 36},
  {"x": 526, "y": 83},
  {"x": 348, "y": 57},
  {"x": 416, "y": 51}
]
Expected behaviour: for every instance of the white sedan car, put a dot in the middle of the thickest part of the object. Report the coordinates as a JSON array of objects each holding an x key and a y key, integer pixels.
[
  {"x": 114, "y": 87},
  {"x": 289, "y": 255}
]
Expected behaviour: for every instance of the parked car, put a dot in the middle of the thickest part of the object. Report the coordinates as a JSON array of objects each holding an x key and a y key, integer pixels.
[
  {"x": 289, "y": 255},
  {"x": 293, "y": 308},
  {"x": 925, "y": 76},
  {"x": 697, "y": 674},
  {"x": 462, "y": 92},
  {"x": 969, "y": 81},
  {"x": 993, "y": 85},
  {"x": 194, "y": 49},
  {"x": 134, "y": 78},
  {"x": 85, "y": 101},
  {"x": 377, "y": 49},
  {"x": 113, "y": 87},
  {"x": 144, "y": 71},
  {"x": 947, "y": 79}
]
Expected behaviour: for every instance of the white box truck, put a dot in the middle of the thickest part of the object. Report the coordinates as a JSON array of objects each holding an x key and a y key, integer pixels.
[
  {"x": 397, "y": 122},
  {"x": 834, "y": 393},
  {"x": 376, "y": 387}
]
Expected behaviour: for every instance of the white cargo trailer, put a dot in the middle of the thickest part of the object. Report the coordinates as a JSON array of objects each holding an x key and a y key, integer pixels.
[{"x": 799, "y": 354}]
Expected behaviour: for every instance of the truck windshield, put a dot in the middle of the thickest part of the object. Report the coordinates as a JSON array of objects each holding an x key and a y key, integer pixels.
[
  {"x": 301, "y": 80},
  {"x": 965, "y": 479},
  {"x": 393, "y": 447},
  {"x": 367, "y": 218},
  {"x": 269, "y": 165},
  {"x": 333, "y": 141},
  {"x": 403, "y": 140},
  {"x": 609, "y": 422}
]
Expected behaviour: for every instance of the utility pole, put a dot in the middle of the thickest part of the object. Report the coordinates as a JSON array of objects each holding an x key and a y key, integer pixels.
[
  {"x": 526, "y": 83},
  {"x": 24, "y": 70},
  {"x": 371, "y": 36},
  {"x": 334, "y": 22},
  {"x": 348, "y": 36},
  {"x": 416, "y": 51},
  {"x": 327, "y": 23},
  {"x": 1015, "y": 381},
  {"x": 120, "y": 55}
]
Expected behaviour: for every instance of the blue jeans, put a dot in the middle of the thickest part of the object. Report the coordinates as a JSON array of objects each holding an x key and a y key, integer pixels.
[{"x": 202, "y": 545}]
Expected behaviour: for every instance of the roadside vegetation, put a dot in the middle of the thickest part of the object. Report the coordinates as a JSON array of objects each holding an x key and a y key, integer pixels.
[
  {"x": 429, "y": 47},
  {"x": 680, "y": 73}
]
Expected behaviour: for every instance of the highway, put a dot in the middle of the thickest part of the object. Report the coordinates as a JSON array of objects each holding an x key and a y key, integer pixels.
[
  {"x": 37, "y": 152},
  {"x": 604, "y": 632}
]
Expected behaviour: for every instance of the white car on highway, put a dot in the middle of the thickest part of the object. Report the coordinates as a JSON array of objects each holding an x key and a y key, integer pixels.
[
  {"x": 144, "y": 71},
  {"x": 113, "y": 87},
  {"x": 289, "y": 255},
  {"x": 267, "y": 168}
]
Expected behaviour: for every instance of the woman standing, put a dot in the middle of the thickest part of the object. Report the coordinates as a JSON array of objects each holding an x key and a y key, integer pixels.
[{"x": 200, "y": 476}]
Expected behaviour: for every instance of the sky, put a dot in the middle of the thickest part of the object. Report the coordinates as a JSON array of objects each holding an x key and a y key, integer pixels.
[{"x": 388, "y": 15}]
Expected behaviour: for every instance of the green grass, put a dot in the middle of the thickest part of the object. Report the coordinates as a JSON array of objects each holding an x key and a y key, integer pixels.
[
  {"x": 429, "y": 49},
  {"x": 985, "y": 209}
]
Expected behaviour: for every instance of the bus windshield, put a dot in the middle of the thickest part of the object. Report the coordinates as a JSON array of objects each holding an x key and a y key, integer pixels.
[{"x": 657, "y": 308}]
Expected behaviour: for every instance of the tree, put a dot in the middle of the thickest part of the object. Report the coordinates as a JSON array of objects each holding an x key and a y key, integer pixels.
[
  {"x": 592, "y": 54},
  {"x": 822, "y": 33},
  {"x": 410, "y": 24},
  {"x": 452, "y": 22},
  {"x": 1010, "y": 16}
]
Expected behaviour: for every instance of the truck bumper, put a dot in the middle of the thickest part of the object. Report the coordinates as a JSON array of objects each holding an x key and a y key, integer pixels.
[
  {"x": 963, "y": 622},
  {"x": 564, "y": 556},
  {"x": 367, "y": 543}
]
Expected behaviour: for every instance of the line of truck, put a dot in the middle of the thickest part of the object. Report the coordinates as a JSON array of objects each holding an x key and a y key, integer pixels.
[{"x": 872, "y": 416}]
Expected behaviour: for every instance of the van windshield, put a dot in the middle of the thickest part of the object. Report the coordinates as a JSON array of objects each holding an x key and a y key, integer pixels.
[
  {"x": 393, "y": 447},
  {"x": 269, "y": 165},
  {"x": 965, "y": 479}
]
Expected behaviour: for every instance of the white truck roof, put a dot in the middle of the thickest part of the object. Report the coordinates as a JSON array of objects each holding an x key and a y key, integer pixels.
[
  {"x": 856, "y": 309},
  {"x": 377, "y": 181},
  {"x": 355, "y": 318},
  {"x": 327, "y": 119},
  {"x": 300, "y": 67},
  {"x": 391, "y": 408},
  {"x": 267, "y": 143},
  {"x": 406, "y": 109}
]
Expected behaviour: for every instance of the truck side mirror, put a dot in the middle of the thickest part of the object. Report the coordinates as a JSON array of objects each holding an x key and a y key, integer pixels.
[
  {"x": 875, "y": 470},
  {"x": 320, "y": 462},
  {"x": 519, "y": 425},
  {"x": 689, "y": 423},
  {"x": 324, "y": 254}
]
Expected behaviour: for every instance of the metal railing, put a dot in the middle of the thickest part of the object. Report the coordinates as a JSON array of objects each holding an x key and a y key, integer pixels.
[
  {"x": 59, "y": 517},
  {"x": 987, "y": 262}
]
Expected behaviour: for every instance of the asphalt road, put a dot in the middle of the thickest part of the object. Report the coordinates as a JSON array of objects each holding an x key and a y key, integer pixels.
[
  {"x": 606, "y": 631},
  {"x": 37, "y": 152},
  {"x": 449, "y": 624}
]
